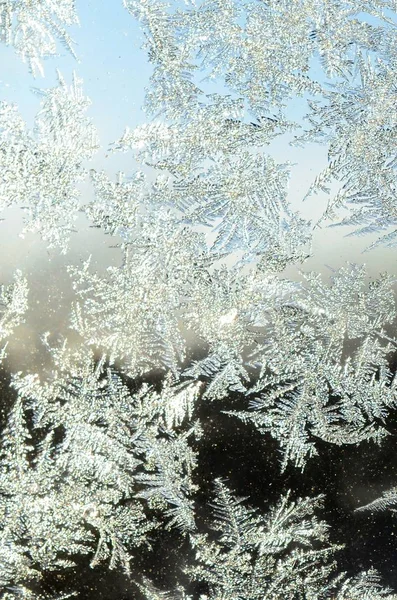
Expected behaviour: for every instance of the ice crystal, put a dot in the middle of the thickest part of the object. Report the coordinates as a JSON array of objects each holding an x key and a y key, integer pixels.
[
  {"x": 14, "y": 303},
  {"x": 357, "y": 121},
  {"x": 215, "y": 179},
  {"x": 324, "y": 366},
  {"x": 283, "y": 554},
  {"x": 139, "y": 323},
  {"x": 34, "y": 28},
  {"x": 74, "y": 479},
  {"x": 41, "y": 169}
]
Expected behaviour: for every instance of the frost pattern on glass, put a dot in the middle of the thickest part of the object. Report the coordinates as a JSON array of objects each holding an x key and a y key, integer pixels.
[
  {"x": 41, "y": 169},
  {"x": 213, "y": 170},
  {"x": 94, "y": 461},
  {"x": 324, "y": 366},
  {"x": 357, "y": 119},
  {"x": 78, "y": 479},
  {"x": 34, "y": 28},
  {"x": 139, "y": 324},
  {"x": 208, "y": 149},
  {"x": 284, "y": 553},
  {"x": 13, "y": 307}
]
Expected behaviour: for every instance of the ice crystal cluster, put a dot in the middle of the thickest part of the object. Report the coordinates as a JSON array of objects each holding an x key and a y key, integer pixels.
[{"x": 104, "y": 454}]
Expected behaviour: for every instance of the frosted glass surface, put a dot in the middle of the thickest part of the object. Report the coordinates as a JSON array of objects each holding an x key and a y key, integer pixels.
[{"x": 198, "y": 303}]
